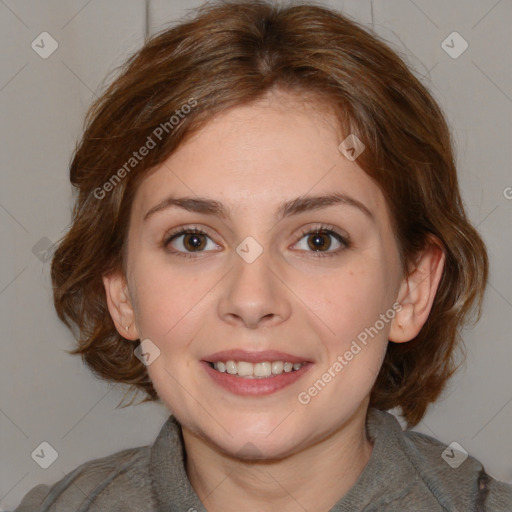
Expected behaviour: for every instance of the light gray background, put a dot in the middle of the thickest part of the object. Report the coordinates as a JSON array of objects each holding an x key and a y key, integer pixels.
[{"x": 48, "y": 395}]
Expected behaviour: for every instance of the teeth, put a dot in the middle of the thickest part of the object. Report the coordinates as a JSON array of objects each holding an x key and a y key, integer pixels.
[
  {"x": 245, "y": 369},
  {"x": 256, "y": 370},
  {"x": 231, "y": 367},
  {"x": 262, "y": 369},
  {"x": 277, "y": 367}
]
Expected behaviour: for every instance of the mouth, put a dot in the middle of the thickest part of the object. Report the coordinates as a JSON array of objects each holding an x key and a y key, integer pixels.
[
  {"x": 255, "y": 373},
  {"x": 248, "y": 370}
]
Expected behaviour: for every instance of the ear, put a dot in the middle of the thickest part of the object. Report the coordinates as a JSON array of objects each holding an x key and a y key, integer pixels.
[
  {"x": 417, "y": 292},
  {"x": 120, "y": 305}
]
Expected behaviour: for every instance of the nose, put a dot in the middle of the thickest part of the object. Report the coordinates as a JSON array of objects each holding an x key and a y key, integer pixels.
[{"x": 254, "y": 294}]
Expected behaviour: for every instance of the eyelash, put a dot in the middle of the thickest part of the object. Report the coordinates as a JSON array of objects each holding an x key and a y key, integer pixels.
[{"x": 323, "y": 229}]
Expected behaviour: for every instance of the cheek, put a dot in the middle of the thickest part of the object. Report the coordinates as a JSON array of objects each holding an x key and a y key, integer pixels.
[
  {"x": 348, "y": 301},
  {"x": 171, "y": 303}
]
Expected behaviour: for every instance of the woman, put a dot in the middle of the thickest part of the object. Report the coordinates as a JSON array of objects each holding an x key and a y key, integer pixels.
[{"x": 270, "y": 239}]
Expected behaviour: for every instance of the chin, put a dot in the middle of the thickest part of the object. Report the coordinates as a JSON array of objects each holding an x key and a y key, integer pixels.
[
  {"x": 248, "y": 442},
  {"x": 248, "y": 449}
]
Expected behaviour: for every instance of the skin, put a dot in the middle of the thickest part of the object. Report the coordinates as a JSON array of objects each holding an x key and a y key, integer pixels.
[{"x": 290, "y": 298}]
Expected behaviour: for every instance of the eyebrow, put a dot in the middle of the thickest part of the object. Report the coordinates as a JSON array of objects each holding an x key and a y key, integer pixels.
[{"x": 293, "y": 207}]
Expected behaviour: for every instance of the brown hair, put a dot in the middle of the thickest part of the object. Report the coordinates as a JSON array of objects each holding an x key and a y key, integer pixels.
[{"x": 231, "y": 54}]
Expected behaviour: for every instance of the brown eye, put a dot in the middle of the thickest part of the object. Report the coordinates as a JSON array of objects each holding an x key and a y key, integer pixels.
[
  {"x": 185, "y": 242},
  {"x": 194, "y": 241},
  {"x": 320, "y": 240}
]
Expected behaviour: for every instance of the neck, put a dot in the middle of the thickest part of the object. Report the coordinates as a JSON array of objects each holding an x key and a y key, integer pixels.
[{"x": 312, "y": 479}]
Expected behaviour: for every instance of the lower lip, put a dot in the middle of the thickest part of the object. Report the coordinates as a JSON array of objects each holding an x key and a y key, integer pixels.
[{"x": 257, "y": 386}]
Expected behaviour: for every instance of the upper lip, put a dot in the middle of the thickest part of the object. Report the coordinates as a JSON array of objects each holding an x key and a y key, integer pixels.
[{"x": 254, "y": 357}]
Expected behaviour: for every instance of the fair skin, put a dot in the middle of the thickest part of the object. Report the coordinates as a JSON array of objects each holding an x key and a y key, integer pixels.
[{"x": 290, "y": 299}]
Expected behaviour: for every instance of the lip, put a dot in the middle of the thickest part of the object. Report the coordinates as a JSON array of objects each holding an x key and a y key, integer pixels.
[
  {"x": 257, "y": 386},
  {"x": 254, "y": 357}
]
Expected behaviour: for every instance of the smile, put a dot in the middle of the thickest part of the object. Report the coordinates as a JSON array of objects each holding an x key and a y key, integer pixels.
[
  {"x": 254, "y": 373},
  {"x": 248, "y": 370}
]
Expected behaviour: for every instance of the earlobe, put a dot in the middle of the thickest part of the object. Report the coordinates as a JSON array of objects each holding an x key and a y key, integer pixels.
[
  {"x": 120, "y": 305},
  {"x": 417, "y": 293}
]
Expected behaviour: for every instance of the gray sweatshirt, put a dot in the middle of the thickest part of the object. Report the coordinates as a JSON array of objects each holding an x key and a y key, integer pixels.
[{"x": 406, "y": 472}]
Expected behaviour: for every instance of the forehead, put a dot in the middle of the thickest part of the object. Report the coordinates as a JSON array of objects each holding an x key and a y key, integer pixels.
[{"x": 274, "y": 150}]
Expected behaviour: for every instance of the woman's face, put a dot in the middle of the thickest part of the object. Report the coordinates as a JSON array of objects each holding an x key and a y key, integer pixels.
[{"x": 253, "y": 283}]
